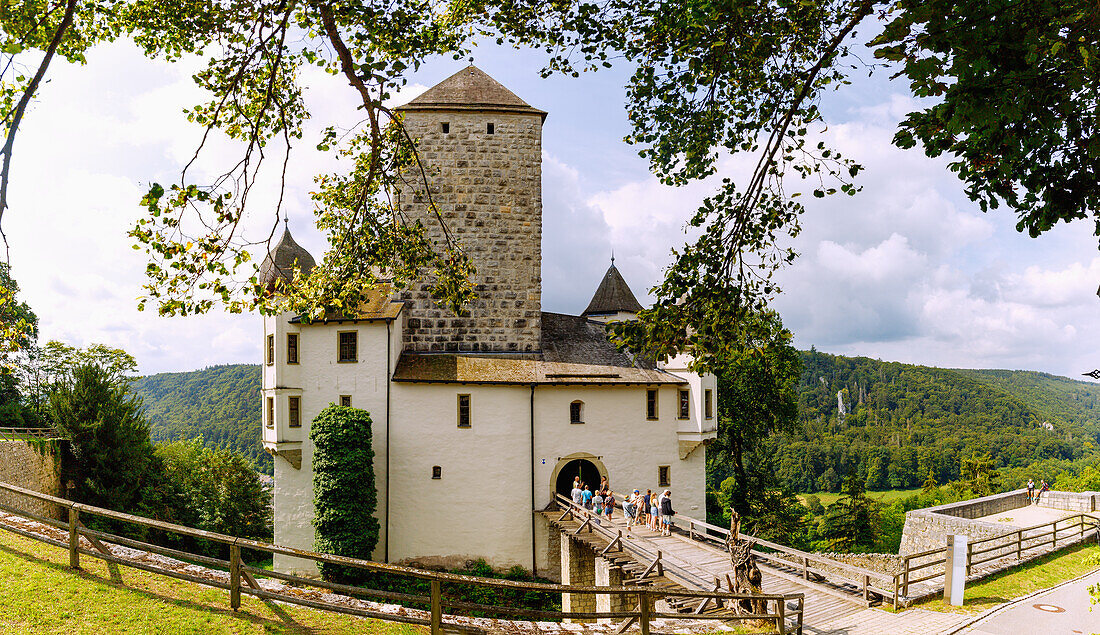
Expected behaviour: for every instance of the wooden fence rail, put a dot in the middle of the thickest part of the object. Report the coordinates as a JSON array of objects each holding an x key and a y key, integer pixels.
[
  {"x": 22, "y": 434},
  {"x": 242, "y": 578}
]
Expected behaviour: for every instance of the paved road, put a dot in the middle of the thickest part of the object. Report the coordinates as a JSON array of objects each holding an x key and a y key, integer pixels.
[{"x": 1078, "y": 616}]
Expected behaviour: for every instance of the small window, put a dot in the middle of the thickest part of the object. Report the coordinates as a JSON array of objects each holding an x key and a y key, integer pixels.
[
  {"x": 271, "y": 412},
  {"x": 464, "y": 411},
  {"x": 446, "y": 127},
  {"x": 294, "y": 418},
  {"x": 292, "y": 348},
  {"x": 685, "y": 404},
  {"x": 576, "y": 412},
  {"x": 708, "y": 403},
  {"x": 651, "y": 404},
  {"x": 349, "y": 347},
  {"x": 270, "y": 350},
  {"x": 490, "y": 128},
  {"x": 345, "y": 400},
  {"x": 662, "y": 476},
  {"x": 437, "y": 471}
]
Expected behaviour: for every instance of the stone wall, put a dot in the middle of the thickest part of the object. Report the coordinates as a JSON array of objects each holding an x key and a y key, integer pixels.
[
  {"x": 488, "y": 190},
  {"x": 1071, "y": 501},
  {"x": 24, "y": 466},
  {"x": 578, "y": 568}
]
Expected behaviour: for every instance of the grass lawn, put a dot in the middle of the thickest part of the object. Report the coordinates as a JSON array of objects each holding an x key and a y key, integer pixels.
[
  {"x": 885, "y": 496},
  {"x": 1007, "y": 585},
  {"x": 40, "y": 594}
]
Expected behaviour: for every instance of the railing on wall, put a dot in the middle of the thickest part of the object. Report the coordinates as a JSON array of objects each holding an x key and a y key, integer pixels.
[
  {"x": 438, "y": 611},
  {"x": 22, "y": 434}
]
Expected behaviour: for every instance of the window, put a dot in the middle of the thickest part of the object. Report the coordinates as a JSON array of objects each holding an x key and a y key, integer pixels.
[
  {"x": 437, "y": 472},
  {"x": 270, "y": 350},
  {"x": 708, "y": 403},
  {"x": 292, "y": 348},
  {"x": 348, "y": 349},
  {"x": 685, "y": 403},
  {"x": 662, "y": 476},
  {"x": 651, "y": 404},
  {"x": 294, "y": 408},
  {"x": 446, "y": 128},
  {"x": 271, "y": 412},
  {"x": 464, "y": 411},
  {"x": 576, "y": 412},
  {"x": 345, "y": 400},
  {"x": 490, "y": 128}
]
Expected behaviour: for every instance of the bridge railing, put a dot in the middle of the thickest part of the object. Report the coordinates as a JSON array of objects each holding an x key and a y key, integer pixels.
[
  {"x": 22, "y": 434},
  {"x": 662, "y": 564},
  {"x": 438, "y": 609}
]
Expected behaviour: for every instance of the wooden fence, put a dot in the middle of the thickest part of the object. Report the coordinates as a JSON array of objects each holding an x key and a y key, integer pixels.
[
  {"x": 1020, "y": 543},
  {"x": 22, "y": 434},
  {"x": 438, "y": 611}
]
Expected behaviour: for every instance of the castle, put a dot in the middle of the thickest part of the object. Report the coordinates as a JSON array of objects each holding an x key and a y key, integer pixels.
[{"x": 479, "y": 419}]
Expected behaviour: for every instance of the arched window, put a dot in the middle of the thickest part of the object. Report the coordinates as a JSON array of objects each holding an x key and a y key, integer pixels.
[{"x": 576, "y": 412}]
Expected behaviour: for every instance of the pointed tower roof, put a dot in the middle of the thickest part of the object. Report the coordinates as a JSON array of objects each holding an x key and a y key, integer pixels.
[
  {"x": 613, "y": 295},
  {"x": 470, "y": 89},
  {"x": 279, "y": 263}
]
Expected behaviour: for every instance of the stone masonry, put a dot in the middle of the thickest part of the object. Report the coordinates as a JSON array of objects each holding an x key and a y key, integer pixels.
[
  {"x": 24, "y": 466},
  {"x": 488, "y": 190},
  {"x": 578, "y": 568},
  {"x": 607, "y": 574}
]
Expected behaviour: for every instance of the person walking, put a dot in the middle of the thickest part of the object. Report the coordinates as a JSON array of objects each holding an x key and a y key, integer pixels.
[
  {"x": 654, "y": 513},
  {"x": 586, "y": 498},
  {"x": 608, "y": 503},
  {"x": 646, "y": 502},
  {"x": 597, "y": 503},
  {"x": 577, "y": 494},
  {"x": 1030, "y": 490},
  {"x": 630, "y": 508},
  {"x": 666, "y": 513}
]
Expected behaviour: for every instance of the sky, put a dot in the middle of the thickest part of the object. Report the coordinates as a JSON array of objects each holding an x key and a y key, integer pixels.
[{"x": 908, "y": 270}]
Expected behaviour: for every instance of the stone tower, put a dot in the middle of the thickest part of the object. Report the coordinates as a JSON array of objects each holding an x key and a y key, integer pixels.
[{"x": 482, "y": 147}]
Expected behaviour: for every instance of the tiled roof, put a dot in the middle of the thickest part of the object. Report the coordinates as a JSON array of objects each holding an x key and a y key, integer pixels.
[
  {"x": 501, "y": 369},
  {"x": 470, "y": 89},
  {"x": 613, "y": 295},
  {"x": 575, "y": 339},
  {"x": 379, "y": 306}
]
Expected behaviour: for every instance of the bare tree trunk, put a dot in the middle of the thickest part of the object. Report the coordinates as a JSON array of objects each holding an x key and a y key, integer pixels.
[{"x": 746, "y": 575}]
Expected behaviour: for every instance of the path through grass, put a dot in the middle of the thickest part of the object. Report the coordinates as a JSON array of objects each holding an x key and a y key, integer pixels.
[{"x": 41, "y": 595}]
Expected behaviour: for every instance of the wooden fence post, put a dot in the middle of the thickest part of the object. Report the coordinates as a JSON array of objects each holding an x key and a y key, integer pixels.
[
  {"x": 805, "y": 568},
  {"x": 1019, "y": 544},
  {"x": 643, "y": 612},
  {"x": 660, "y": 566},
  {"x": 780, "y": 616},
  {"x": 74, "y": 537},
  {"x": 234, "y": 576},
  {"x": 896, "y": 588},
  {"x": 1054, "y": 536},
  {"x": 437, "y": 607},
  {"x": 905, "y": 583},
  {"x": 866, "y": 584}
]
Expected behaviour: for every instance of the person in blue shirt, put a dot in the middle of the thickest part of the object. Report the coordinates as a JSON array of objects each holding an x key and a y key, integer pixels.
[{"x": 586, "y": 496}]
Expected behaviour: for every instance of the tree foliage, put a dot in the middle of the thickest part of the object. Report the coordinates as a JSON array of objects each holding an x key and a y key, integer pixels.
[
  {"x": 851, "y": 522},
  {"x": 1008, "y": 91},
  {"x": 344, "y": 494}
]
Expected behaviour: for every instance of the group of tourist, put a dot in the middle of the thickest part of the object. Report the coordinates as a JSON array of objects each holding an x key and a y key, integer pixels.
[
  {"x": 1032, "y": 496},
  {"x": 650, "y": 509}
]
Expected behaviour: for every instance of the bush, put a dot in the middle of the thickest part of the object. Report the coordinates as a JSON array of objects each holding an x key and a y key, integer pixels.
[{"x": 344, "y": 494}]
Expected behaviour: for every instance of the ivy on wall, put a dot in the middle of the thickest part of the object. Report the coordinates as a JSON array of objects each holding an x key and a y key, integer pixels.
[{"x": 344, "y": 494}]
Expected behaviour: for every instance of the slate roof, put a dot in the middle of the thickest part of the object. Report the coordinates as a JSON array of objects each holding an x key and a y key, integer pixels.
[
  {"x": 280, "y": 261},
  {"x": 470, "y": 89},
  {"x": 577, "y": 340},
  {"x": 613, "y": 295},
  {"x": 378, "y": 306}
]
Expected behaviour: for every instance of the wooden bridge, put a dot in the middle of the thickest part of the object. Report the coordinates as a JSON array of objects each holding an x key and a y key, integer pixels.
[{"x": 838, "y": 597}]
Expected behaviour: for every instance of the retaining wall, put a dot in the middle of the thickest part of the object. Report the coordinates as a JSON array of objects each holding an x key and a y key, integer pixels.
[
  {"x": 24, "y": 466},
  {"x": 1071, "y": 501}
]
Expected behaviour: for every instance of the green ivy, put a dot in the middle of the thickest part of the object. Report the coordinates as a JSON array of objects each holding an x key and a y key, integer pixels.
[{"x": 344, "y": 494}]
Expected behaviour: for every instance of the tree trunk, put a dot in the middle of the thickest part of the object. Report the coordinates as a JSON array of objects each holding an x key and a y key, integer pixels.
[
  {"x": 746, "y": 575},
  {"x": 740, "y": 496}
]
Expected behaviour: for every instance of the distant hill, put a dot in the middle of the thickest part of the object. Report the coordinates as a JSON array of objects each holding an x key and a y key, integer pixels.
[
  {"x": 901, "y": 421},
  {"x": 220, "y": 404}
]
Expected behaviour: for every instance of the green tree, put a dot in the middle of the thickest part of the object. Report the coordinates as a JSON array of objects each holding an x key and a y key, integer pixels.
[
  {"x": 930, "y": 483},
  {"x": 111, "y": 458},
  {"x": 344, "y": 494},
  {"x": 756, "y": 397},
  {"x": 979, "y": 472},
  {"x": 850, "y": 523}
]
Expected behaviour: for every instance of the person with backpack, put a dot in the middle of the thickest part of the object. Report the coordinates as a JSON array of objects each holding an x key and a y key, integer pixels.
[
  {"x": 586, "y": 498},
  {"x": 608, "y": 503},
  {"x": 666, "y": 513},
  {"x": 597, "y": 503}
]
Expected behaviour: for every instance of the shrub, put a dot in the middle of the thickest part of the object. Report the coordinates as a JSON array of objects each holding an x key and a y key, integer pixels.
[{"x": 344, "y": 494}]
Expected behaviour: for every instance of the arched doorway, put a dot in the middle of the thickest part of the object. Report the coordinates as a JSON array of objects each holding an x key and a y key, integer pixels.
[{"x": 587, "y": 470}]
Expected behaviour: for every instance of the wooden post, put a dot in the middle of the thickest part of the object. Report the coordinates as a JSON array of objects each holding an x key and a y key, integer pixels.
[
  {"x": 805, "y": 568},
  {"x": 905, "y": 583},
  {"x": 1019, "y": 544},
  {"x": 74, "y": 537},
  {"x": 1081, "y": 519},
  {"x": 660, "y": 566},
  {"x": 1054, "y": 536},
  {"x": 437, "y": 607},
  {"x": 235, "y": 576},
  {"x": 691, "y": 529},
  {"x": 643, "y": 612},
  {"x": 780, "y": 616},
  {"x": 969, "y": 556},
  {"x": 866, "y": 583},
  {"x": 896, "y": 585}
]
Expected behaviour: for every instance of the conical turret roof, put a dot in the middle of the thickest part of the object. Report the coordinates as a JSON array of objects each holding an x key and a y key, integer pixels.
[
  {"x": 280, "y": 262},
  {"x": 470, "y": 89},
  {"x": 613, "y": 295}
]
